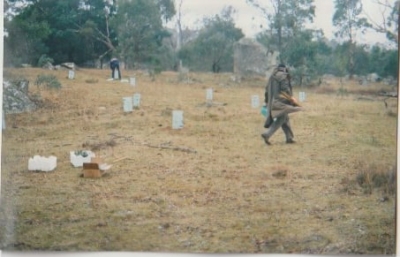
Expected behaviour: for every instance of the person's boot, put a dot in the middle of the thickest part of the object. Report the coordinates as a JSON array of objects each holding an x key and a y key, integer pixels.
[
  {"x": 265, "y": 137},
  {"x": 290, "y": 141}
]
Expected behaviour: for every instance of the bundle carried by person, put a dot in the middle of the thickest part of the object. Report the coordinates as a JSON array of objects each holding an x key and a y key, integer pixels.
[{"x": 293, "y": 101}]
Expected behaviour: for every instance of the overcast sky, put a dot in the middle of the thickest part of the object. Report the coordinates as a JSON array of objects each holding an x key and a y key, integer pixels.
[{"x": 249, "y": 19}]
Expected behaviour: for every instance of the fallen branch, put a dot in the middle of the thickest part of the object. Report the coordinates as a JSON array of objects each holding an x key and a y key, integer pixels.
[
  {"x": 211, "y": 104},
  {"x": 388, "y": 94},
  {"x": 365, "y": 98},
  {"x": 121, "y": 159},
  {"x": 174, "y": 148},
  {"x": 112, "y": 143},
  {"x": 62, "y": 145}
]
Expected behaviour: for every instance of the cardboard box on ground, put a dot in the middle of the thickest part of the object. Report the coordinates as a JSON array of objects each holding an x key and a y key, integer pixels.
[{"x": 96, "y": 168}]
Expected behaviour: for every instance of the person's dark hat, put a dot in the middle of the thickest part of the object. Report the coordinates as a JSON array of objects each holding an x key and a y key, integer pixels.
[{"x": 281, "y": 65}]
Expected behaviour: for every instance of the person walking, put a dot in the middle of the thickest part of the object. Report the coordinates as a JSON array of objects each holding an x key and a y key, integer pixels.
[
  {"x": 114, "y": 65},
  {"x": 280, "y": 102}
]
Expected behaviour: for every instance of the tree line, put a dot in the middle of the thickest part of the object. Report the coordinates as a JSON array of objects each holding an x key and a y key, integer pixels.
[{"x": 92, "y": 31}]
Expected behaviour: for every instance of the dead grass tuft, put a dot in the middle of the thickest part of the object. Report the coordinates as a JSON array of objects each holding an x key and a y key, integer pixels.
[
  {"x": 96, "y": 146},
  {"x": 370, "y": 177},
  {"x": 91, "y": 81},
  {"x": 325, "y": 90},
  {"x": 280, "y": 172},
  {"x": 392, "y": 113},
  {"x": 344, "y": 89}
]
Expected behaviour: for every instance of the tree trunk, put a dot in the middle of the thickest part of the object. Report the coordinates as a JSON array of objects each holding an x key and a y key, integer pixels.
[
  {"x": 351, "y": 58},
  {"x": 351, "y": 63},
  {"x": 279, "y": 27},
  {"x": 179, "y": 22}
]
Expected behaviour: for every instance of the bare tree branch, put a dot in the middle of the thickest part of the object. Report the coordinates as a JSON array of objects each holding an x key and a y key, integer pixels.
[{"x": 383, "y": 26}]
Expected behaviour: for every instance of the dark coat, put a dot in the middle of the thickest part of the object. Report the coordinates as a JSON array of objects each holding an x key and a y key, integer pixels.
[
  {"x": 114, "y": 63},
  {"x": 279, "y": 82}
]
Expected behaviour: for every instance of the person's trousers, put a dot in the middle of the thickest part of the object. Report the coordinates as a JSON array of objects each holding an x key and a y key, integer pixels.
[
  {"x": 112, "y": 73},
  {"x": 280, "y": 122}
]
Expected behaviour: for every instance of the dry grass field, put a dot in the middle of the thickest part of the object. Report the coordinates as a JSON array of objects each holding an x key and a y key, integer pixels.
[{"x": 211, "y": 187}]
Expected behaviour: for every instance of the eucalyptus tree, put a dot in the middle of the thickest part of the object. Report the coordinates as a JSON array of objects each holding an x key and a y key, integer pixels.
[
  {"x": 179, "y": 25},
  {"x": 212, "y": 49},
  {"x": 139, "y": 25},
  {"x": 287, "y": 33},
  {"x": 286, "y": 20},
  {"x": 93, "y": 25},
  {"x": 348, "y": 21}
]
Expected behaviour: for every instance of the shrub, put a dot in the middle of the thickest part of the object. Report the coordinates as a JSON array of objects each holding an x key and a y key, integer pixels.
[
  {"x": 48, "y": 81},
  {"x": 44, "y": 59}
]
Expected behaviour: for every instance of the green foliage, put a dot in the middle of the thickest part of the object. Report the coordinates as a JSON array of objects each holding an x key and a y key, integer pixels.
[
  {"x": 82, "y": 153},
  {"x": 383, "y": 62},
  {"x": 347, "y": 18},
  {"x": 44, "y": 59},
  {"x": 291, "y": 15},
  {"x": 298, "y": 47},
  {"x": 167, "y": 57},
  {"x": 67, "y": 30},
  {"x": 140, "y": 31},
  {"x": 367, "y": 60},
  {"x": 47, "y": 81},
  {"x": 83, "y": 30},
  {"x": 212, "y": 50},
  {"x": 392, "y": 24},
  {"x": 348, "y": 21},
  {"x": 300, "y": 50},
  {"x": 361, "y": 60},
  {"x": 286, "y": 20},
  {"x": 25, "y": 41},
  {"x": 93, "y": 26},
  {"x": 167, "y": 9},
  {"x": 309, "y": 53},
  {"x": 306, "y": 52}
]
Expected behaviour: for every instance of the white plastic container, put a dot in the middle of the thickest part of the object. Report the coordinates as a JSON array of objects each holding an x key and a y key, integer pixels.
[
  {"x": 255, "y": 101},
  {"x": 39, "y": 163},
  {"x": 302, "y": 96},
  {"x": 127, "y": 104},
  {"x": 71, "y": 74},
  {"x": 136, "y": 100},
  {"x": 78, "y": 160},
  {"x": 177, "y": 119},
  {"x": 132, "y": 81},
  {"x": 209, "y": 94}
]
